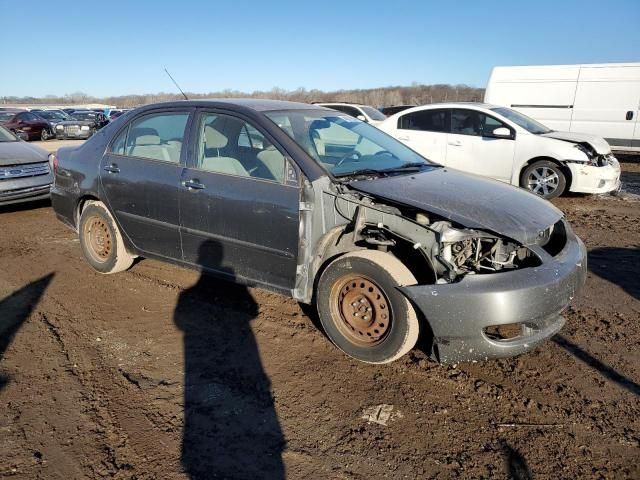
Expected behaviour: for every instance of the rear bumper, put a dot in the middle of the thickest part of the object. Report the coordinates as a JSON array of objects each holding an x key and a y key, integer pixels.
[
  {"x": 534, "y": 297},
  {"x": 592, "y": 179}
]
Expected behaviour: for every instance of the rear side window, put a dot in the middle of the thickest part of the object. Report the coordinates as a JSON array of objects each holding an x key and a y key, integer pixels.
[
  {"x": 425, "y": 120},
  {"x": 118, "y": 145},
  {"x": 157, "y": 136}
]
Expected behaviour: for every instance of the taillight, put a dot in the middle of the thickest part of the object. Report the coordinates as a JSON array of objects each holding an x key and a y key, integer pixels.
[{"x": 56, "y": 164}]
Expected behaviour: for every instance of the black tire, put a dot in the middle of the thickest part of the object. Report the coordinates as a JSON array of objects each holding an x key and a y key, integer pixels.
[
  {"x": 101, "y": 241},
  {"x": 544, "y": 178},
  {"x": 362, "y": 311}
]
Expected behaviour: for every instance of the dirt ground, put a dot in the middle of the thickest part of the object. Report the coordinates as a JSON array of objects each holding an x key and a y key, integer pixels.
[{"x": 158, "y": 373}]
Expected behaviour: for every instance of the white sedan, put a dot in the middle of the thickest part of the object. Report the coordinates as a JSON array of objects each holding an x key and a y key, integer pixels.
[{"x": 503, "y": 144}]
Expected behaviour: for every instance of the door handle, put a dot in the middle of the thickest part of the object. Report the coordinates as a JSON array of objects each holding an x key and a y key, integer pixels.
[
  {"x": 113, "y": 168},
  {"x": 630, "y": 115},
  {"x": 193, "y": 184},
  {"x": 455, "y": 144}
]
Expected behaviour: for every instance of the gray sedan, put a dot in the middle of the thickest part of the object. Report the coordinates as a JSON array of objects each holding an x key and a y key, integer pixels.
[
  {"x": 25, "y": 170},
  {"x": 317, "y": 205}
]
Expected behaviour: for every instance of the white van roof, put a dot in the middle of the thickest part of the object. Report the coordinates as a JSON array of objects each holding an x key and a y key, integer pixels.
[{"x": 587, "y": 71}]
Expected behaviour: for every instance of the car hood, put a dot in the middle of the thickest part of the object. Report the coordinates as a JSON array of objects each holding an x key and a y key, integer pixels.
[
  {"x": 17, "y": 153},
  {"x": 468, "y": 200},
  {"x": 599, "y": 144}
]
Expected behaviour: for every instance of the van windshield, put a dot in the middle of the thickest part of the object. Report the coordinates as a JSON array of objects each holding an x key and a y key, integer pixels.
[{"x": 528, "y": 123}]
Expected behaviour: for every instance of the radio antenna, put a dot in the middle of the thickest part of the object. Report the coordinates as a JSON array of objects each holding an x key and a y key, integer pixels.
[{"x": 176, "y": 84}]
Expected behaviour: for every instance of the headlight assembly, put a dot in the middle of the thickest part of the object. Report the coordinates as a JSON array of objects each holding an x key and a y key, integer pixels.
[{"x": 84, "y": 127}]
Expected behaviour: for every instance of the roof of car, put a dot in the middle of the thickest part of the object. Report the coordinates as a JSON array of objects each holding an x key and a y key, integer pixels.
[{"x": 257, "y": 104}]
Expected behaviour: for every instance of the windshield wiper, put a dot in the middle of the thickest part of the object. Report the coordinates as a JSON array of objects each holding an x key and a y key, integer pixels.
[{"x": 407, "y": 167}]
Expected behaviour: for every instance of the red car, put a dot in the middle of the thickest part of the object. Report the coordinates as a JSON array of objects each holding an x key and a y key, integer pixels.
[{"x": 31, "y": 125}]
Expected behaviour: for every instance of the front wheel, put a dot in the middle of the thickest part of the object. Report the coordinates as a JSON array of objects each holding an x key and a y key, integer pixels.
[
  {"x": 544, "y": 178},
  {"x": 44, "y": 135},
  {"x": 361, "y": 309},
  {"x": 101, "y": 240}
]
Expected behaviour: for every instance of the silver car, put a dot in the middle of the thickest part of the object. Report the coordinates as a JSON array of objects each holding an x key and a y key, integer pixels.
[{"x": 25, "y": 170}]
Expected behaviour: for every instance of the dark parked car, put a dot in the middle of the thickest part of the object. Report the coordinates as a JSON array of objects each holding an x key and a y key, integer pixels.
[
  {"x": 82, "y": 124},
  {"x": 318, "y": 205},
  {"x": 53, "y": 117},
  {"x": 25, "y": 170},
  {"x": 388, "y": 111},
  {"x": 30, "y": 124}
]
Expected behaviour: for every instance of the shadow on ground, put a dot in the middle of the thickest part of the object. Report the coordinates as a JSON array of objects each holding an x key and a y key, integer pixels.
[
  {"x": 14, "y": 311},
  {"x": 515, "y": 464},
  {"x": 596, "y": 364},
  {"x": 620, "y": 266},
  {"x": 231, "y": 429}
]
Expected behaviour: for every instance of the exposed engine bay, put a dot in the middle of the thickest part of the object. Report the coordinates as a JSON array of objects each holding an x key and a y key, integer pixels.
[{"x": 436, "y": 250}]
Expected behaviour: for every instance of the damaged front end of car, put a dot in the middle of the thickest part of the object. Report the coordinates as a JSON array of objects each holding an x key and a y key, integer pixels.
[{"x": 483, "y": 294}]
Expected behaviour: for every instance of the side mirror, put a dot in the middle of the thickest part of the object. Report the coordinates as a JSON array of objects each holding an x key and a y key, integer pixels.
[
  {"x": 501, "y": 132},
  {"x": 362, "y": 118}
]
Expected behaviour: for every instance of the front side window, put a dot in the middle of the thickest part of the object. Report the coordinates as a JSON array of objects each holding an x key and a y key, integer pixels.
[
  {"x": 344, "y": 145},
  {"x": 473, "y": 122},
  {"x": 354, "y": 112},
  {"x": 425, "y": 121},
  {"x": 157, "y": 136},
  {"x": 232, "y": 146}
]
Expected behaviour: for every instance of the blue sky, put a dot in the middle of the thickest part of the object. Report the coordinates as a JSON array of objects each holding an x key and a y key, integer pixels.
[{"x": 120, "y": 47}]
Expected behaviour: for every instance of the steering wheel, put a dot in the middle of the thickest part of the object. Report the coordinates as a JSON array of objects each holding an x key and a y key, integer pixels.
[{"x": 348, "y": 155}]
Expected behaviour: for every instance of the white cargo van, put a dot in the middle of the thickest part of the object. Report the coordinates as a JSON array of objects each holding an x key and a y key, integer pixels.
[{"x": 601, "y": 99}]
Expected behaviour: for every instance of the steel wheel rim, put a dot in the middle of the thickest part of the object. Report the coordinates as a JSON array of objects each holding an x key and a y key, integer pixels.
[
  {"x": 98, "y": 236},
  {"x": 543, "y": 181},
  {"x": 361, "y": 309}
]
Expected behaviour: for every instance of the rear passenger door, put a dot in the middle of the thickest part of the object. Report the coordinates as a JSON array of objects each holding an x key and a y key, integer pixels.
[
  {"x": 140, "y": 178},
  {"x": 425, "y": 131},
  {"x": 239, "y": 204}
]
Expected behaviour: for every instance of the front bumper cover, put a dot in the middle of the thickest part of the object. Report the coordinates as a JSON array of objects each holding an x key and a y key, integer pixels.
[
  {"x": 458, "y": 313},
  {"x": 587, "y": 178}
]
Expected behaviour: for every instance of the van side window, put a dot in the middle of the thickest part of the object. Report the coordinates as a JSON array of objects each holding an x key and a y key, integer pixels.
[
  {"x": 425, "y": 120},
  {"x": 157, "y": 136}
]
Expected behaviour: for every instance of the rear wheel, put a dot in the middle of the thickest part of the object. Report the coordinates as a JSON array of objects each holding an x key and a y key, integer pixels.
[
  {"x": 101, "y": 240},
  {"x": 544, "y": 178},
  {"x": 361, "y": 309}
]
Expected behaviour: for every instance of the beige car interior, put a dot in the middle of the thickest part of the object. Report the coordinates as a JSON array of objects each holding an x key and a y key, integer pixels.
[{"x": 217, "y": 154}]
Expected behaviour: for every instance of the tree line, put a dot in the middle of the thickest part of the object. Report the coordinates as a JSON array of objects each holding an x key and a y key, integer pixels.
[{"x": 415, "y": 94}]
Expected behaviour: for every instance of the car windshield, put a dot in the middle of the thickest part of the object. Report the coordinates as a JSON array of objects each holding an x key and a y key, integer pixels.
[
  {"x": 51, "y": 115},
  {"x": 84, "y": 115},
  {"x": 528, "y": 123},
  {"x": 344, "y": 145},
  {"x": 6, "y": 116},
  {"x": 7, "y": 136},
  {"x": 374, "y": 113}
]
